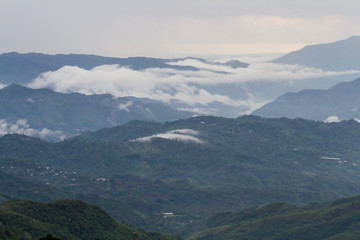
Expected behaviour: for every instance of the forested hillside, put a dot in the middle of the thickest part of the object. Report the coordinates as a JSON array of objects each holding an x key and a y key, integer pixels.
[
  {"x": 332, "y": 220},
  {"x": 194, "y": 167},
  {"x": 67, "y": 220}
]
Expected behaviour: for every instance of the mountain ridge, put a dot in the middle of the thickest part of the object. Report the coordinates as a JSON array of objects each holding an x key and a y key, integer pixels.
[
  {"x": 337, "y": 219},
  {"x": 22, "y": 68},
  {"x": 340, "y": 100},
  {"x": 72, "y": 113},
  {"x": 343, "y": 55}
]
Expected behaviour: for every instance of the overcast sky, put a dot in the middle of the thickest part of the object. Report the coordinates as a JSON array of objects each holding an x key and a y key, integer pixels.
[{"x": 172, "y": 28}]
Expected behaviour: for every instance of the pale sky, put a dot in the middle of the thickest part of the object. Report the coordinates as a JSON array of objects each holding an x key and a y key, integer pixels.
[{"x": 173, "y": 28}]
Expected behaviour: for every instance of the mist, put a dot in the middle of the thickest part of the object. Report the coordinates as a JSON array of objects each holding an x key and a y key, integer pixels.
[
  {"x": 22, "y": 127},
  {"x": 184, "y": 89}
]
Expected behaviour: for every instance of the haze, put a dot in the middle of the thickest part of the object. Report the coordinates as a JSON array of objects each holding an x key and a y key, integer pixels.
[{"x": 160, "y": 28}]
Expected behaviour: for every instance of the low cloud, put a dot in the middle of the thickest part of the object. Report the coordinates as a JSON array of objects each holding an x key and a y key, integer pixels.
[
  {"x": 125, "y": 106},
  {"x": 182, "y": 135},
  {"x": 22, "y": 127},
  {"x": 202, "y": 65},
  {"x": 331, "y": 119},
  {"x": 2, "y": 86},
  {"x": 187, "y": 88},
  {"x": 160, "y": 84}
]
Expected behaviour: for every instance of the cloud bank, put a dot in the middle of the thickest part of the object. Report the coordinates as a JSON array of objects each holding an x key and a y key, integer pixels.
[
  {"x": 182, "y": 135},
  {"x": 22, "y": 127},
  {"x": 185, "y": 88},
  {"x": 331, "y": 119}
]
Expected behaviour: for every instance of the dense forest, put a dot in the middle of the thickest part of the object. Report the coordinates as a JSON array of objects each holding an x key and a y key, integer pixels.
[
  {"x": 170, "y": 177},
  {"x": 65, "y": 219},
  {"x": 331, "y": 220}
]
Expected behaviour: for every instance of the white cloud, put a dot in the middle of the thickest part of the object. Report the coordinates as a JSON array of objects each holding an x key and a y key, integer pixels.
[
  {"x": 30, "y": 100},
  {"x": 187, "y": 88},
  {"x": 252, "y": 58},
  {"x": 2, "y": 86},
  {"x": 22, "y": 127},
  {"x": 331, "y": 119},
  {"x": 159, "y": 84},
  {"x": 202, "y": 111},
  {"x": 186, "y": 132},
  {"x": 202, "y": 65},
  {"x": 125, "y": 106},
  {"x": 183, "y": 135},
  {"x": 259, "y": 71}
]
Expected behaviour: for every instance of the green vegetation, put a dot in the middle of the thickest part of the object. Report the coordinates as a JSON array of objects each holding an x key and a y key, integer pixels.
[
  {"x": 65, "y": 219},
  {"x": 339, "y": 219},
  {"x": 17, "y": 188},
  {"x": 243, "y": 162}
]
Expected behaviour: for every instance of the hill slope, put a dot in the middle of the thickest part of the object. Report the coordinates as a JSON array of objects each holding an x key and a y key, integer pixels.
[
  {"x": 67, "y": 219},
  {"x": 196, "y": 166},
  {"x": 69, "y": 114},
  {"x": 12, "y": 187},
  {"x": 342, "y": 55},
  {"x": 333, "y": 220},
  {"x": 341, "y": 100}
]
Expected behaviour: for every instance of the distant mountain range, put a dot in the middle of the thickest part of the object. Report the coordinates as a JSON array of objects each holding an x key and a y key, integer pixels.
[
  {"x": 161, "y": 169},
  {"x": 69, "y": 114},
  {"x": 23, "y": 68},
  {"x": 341, "y": 101},
  {"x": 342, "y": 55},
  {"x": 217, "y": 89}
]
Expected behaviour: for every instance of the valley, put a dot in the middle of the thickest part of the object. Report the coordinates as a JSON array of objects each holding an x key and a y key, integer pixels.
[{"x": 140, "y": 148}]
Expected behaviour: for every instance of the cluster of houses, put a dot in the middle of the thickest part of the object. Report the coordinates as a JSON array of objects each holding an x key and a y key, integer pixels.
[{"x": 45, "y": 174}]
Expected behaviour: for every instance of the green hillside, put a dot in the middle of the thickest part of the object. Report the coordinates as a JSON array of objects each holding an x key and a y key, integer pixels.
[
  {"x": 12, "y": 187},
  {"x": 228, "y": 165},
  {"x": 338, "y": 219},
  {"x": 66, "y": 219}
]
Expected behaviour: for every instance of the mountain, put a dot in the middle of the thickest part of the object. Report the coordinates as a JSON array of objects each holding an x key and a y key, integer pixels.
[
  {"x": 342, "y": 55},
  {"x": 52, "y": 115},
  {"x": 230, "y": 63},
  {"x": 12, "y": 187},
  {"x": 22, "y": 68},
  {"x": 66, "y": 219},
  {"x": 194, "y": 167},
  {"x": 341, "y": 101},
  {"x": 193, "y": 84},
  {"x": 338, "y": 219}
]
